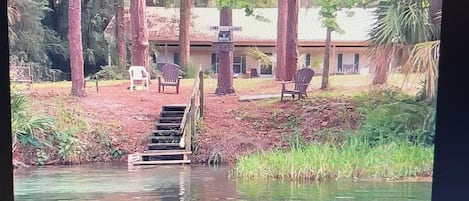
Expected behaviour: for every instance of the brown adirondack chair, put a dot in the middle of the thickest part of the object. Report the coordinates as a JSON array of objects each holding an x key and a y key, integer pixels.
[
  {"x": 301, "y": 82},
  {"x": 169, "y": 76}
]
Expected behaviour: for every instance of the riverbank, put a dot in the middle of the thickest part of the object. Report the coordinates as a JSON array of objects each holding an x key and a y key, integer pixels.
[{"x": 116, "y": 122}]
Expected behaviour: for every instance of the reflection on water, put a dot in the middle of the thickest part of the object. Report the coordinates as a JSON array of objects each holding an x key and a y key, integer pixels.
[{"x": 114, "y": 182}]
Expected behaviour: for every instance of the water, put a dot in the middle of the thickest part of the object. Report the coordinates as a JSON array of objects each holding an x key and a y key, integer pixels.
[{"x": 116, "y": 182}]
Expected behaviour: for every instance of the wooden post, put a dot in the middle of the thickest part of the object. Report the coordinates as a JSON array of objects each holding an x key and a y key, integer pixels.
[
  {"x": 166, "y": 53},
  {"x": 192, "y": 123},
  {"x": 201, "y": 91}
]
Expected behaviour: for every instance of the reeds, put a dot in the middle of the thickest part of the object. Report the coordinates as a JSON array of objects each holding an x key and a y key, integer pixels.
[{"x": 353, "y": 159}]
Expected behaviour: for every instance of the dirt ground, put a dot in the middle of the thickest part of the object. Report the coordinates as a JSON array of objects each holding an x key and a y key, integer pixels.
[{"x": 230, "y": 128}]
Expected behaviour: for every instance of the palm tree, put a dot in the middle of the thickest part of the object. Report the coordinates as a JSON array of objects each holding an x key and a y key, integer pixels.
[
  {"x": 13, "y": 15},
  {"x": 399, "y": 26},
  {"x": 406, "y": 34}
]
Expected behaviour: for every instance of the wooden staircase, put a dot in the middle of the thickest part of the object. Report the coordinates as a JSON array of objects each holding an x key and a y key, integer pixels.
[{"x": 164, "y": 143}]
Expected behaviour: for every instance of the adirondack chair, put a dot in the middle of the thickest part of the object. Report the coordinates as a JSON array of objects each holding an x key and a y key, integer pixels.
[
  {"x": 139, "y": 74},
  {"x": 301, "y": 82},
  {"x": 169, "y": 76}
]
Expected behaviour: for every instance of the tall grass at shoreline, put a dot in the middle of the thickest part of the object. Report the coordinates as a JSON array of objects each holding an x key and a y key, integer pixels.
[{"x": 353, "y": 159}]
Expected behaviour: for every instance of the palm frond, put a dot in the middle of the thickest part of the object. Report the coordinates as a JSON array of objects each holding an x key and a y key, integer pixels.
[
  {"x": 423, "y": 60},
  {"x": 259, "y": 55}
]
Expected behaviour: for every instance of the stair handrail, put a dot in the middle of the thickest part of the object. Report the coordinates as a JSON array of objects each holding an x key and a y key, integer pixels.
[{"x": 193, "y": 111}]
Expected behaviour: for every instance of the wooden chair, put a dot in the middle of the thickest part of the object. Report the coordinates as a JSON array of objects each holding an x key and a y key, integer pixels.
[
  {"x": 169, "y": 76},
  {"x": 301, "y": 81},
  {"x": 139, "y": 74}
]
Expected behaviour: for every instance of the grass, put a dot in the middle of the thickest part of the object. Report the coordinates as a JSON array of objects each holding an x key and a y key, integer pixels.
[
  {"x": 353, "y": 159},
  {"x": 340, "y": 85}
]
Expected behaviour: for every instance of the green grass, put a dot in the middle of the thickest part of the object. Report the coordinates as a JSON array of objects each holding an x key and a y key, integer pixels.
[{"x": 354, "y": 159}]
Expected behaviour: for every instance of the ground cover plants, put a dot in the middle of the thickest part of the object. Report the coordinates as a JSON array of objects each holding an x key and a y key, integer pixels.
[{"x": 393, "y": 139}]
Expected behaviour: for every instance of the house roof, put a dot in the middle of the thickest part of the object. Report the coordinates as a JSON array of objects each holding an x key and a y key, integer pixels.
[{"x": 163, "y": 25}]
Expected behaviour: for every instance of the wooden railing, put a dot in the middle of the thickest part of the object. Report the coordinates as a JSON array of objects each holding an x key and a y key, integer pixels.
[{"x": 194, "y": 112}]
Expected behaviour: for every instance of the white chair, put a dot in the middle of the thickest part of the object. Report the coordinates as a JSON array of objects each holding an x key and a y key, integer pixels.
[{"x": 139, "y": 74}]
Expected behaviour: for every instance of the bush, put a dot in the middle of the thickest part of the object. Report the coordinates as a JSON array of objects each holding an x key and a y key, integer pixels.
[
  {"x": 113, "y": 73},
  {"x": 391, "y": 116},
  {"x": 189, "y": 70},
  {"x": 27, "y": 129}
]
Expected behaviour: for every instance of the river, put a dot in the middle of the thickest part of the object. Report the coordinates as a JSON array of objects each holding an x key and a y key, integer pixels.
[{"x": 118, "y": 182}]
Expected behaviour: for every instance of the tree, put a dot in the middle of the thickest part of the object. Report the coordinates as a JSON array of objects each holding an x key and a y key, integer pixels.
[
  {"x": 13, "y": 16},
  {"x": 120, "y": 35},
  {"x": 225, "y": 70},
  {"x": 75, "y": 48},
  {"x": 280, "y": 73},
  {"x": 30, "y": 40},
  {"x": 424, "y": 56},
  {"x": 184, "y": 31},
  {"x": 328, "y": 13},
  {"x": 291, "y": 56},
  {"x": 138, "y": 21},
  {"x": 400, "y": 25}
]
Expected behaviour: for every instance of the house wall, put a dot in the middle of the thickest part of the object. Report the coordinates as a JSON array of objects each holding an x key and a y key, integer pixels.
[{"x": 202, "y": 56}]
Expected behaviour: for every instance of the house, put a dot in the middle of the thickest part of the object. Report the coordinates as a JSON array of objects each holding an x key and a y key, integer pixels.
[{"x": 348, "y": 48}]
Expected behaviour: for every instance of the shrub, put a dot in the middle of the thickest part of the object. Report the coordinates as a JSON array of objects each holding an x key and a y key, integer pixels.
[
  {"x": 389, "y": 115},
  {"x": 189, "y": 70},
  {"x": 113, "y": 73},
  {"x": 27, "y": 129}
]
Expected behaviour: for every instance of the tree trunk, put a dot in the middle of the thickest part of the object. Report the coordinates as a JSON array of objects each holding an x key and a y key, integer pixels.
[
  {"x": 380, "y": 67},
  {"x": 184, "y": 32},
  {"x": 291, "y": 59},
  {"x": 327, "y": 56},
  {"x": 75, "y": 48},
  {"x": 120, "y": 35},
  {"x": 225, "y": 66},
  {"x": 280, "y": 71},
  {"x": 138, "y": 21}
]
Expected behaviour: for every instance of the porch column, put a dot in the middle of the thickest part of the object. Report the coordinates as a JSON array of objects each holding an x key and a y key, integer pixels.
[
  {"x": 333, "y": 61},
  {"x": 165, "y": 53}
]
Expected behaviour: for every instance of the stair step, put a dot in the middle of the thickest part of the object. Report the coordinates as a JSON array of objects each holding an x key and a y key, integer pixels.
[
  {"x": 171, "y": 113},
  {"x": 164, "y": 137},
  {"x": 161, "y": 162},
  {"x": 167, "y": 126},
  {"x": 164, "y": 152},
  {"x": 158, "y": 132},
  {"x": 170, "y": 120},
  {"x": 174, "y": 107},
  {"x": 163, "y": 144}
]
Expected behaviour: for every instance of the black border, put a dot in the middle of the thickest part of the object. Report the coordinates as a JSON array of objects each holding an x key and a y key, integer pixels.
[
  {"x": 451, "y": 164},
  {"x": 451, "y": 167},
  {"x": 6, "y": 167}
]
